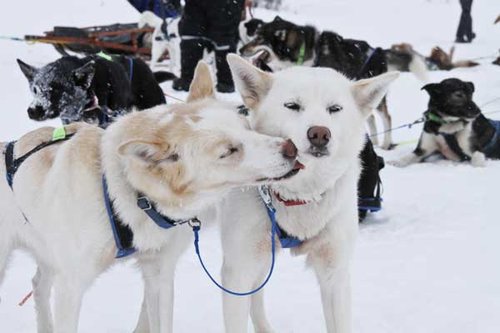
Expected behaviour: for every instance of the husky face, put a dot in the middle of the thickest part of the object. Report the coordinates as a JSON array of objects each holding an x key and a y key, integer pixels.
[
  {"x": 321, "y": 110},
  {"x": 452, "y": 99},
  {"x": 58, "y": 91},
  {"x": 203, "y": 146}
]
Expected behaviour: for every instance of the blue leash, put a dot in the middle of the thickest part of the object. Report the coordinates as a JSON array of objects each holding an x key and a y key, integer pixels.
[{"x": 271, "y": 212}]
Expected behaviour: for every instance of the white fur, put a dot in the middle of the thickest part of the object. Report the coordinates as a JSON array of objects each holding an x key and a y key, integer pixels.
[
  {"x": 68, "y": 231},
  {"x": 328, "y": 224}
]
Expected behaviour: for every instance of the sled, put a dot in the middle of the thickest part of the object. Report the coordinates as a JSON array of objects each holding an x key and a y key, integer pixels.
[{"x": 127, "y": 39}]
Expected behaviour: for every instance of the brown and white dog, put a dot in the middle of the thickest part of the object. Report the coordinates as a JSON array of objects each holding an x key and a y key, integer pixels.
[{"x": 183, "y": 157}]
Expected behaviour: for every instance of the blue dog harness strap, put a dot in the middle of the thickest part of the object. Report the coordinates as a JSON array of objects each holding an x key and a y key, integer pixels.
[
  {"x": 287, "y": 241},
  {"x": 489, "y": 148},
  {"x": 122, "y": 233}
]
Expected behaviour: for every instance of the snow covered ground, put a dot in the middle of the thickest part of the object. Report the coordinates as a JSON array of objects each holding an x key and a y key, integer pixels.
[{"x": 428, "y": 262}]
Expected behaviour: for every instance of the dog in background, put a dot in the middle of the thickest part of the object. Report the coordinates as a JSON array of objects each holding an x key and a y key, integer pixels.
[
  {"x": 455, "y": 127},
  {"x": 183, "y": 158},
  {"x": 404, "y": 58},
  {"x": 94, "y": 89},
  {"x": 281, "y": 44}
]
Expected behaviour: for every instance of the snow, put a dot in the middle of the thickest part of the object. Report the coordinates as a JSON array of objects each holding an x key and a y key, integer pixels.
[{"x": 428, "y": 262}]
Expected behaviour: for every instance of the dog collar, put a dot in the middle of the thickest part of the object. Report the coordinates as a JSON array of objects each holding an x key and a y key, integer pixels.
[
  {"x": 302, "y": 53},
  {"x": 289, "y": 203},
  {"x": 434, "y": 117}
]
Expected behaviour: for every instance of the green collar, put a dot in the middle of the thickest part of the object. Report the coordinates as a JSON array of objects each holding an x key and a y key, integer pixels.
[
  {"x": 59, "y": 134},
  {"x": 302, "y": 53},
  {"x": 104, "y": 56},
  {"x": 435, "y": 118}
]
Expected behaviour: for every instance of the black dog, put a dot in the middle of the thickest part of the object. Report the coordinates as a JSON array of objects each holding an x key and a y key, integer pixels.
[
  {"x": 95, "y": 89},
  {"x": 455, "y": 127}
]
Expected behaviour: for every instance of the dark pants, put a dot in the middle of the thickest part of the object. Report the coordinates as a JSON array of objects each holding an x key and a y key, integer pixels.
[
  {"x": 214, "y": 22},
  {"x": 465, "y": 26}
]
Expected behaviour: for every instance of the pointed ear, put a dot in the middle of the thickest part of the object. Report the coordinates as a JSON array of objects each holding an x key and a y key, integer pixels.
[
  {"x": 277, "y": 19},
  {"x": 433, "y": 89},
  {"x": 252, "y": 83},
  {"x": 469, "y": 86},
  {"x": 147, "y": 152},
  {"x": 84, "y": 75},
  {"x": 369, "y": 92},
  {"x": 28, "y": 71},
  {"x": 202, "y": 85}
]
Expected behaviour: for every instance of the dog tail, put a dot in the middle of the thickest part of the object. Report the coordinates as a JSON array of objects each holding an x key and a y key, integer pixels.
[
  {"x": 162, "y": 76},
  {"x": 419, "y": 68}
]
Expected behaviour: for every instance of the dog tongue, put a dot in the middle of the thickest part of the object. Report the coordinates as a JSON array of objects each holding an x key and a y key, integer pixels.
[{"x": 299, "y": 165}]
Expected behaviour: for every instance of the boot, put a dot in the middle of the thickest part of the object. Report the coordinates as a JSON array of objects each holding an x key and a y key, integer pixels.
[
  {"x": 225, "y": 82},
  {"x": 191, "y": 53}
]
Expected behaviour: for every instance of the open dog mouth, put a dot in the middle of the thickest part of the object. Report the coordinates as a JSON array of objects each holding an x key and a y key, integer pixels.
[{"x": 295, "y": 170}]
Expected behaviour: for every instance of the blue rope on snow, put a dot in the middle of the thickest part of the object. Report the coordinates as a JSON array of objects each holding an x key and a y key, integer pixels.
[{"x": 272, "y": 216}]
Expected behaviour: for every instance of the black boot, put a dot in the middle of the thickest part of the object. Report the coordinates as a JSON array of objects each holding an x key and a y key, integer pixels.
[
  {"x": 225, "y": 82},
  {"x": 191, "y": 53}
]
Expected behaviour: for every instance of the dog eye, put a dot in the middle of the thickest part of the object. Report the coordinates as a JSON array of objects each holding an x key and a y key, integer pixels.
[
  {"x": 35, "y": 90},
  {"x": 292, "y": 106},
  {"x": 229, "y": 152},
  {"x": 334, "y": 108}
]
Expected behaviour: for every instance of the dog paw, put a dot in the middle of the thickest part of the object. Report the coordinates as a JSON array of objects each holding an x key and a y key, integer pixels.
[{"x": 478, "y": 159}]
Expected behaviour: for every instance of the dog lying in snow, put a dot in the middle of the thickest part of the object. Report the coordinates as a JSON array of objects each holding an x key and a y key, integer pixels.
[
  {"x": 95, "y": 89},
  {"x": 324, "y": 113},
  {"x": 183, "y": 158},
  {"x": 455, "y": 127}
]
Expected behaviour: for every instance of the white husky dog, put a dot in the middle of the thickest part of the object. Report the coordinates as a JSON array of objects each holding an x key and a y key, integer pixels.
[
  {"x": 324, "y": 114},
  {"x": 182, "y": 157}
]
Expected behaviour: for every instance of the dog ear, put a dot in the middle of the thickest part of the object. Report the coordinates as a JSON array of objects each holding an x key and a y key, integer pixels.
[
  {"x": 252, "y": 83},
  {"x": 277, "y": 19},
  {"x": 28, "y": 71},
  {"x": 469, "y": 87},
  {"x": 147, "y": 152},
  {"x": 202, "y": 85},
  {"x": 369, "y": 92},
  {"x": 84, "y": 75},
  {"x": 433, "y": 89}
]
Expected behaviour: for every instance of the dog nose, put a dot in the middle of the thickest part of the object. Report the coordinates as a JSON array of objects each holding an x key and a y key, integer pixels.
[
  {"x": 319, "y": 136},
  {"x": 289, "y": 150},
  {"x": 35, "y": 113}
]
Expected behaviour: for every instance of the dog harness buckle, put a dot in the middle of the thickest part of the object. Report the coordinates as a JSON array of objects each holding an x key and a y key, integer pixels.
[{"x": 144, "y": 203}]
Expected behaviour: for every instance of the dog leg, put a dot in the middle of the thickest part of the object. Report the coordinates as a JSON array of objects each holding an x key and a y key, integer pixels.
[
  {"x": 383, "y": 112},
  {"x": 478, "y": 159},
  {"x": 68, "y": 290},
  {"x": 258, "y": 313},
  {"x": 143, "y": 322},
  {"x": 426, "y": 146},
  {"x": 330, "y": 260},
  {"x": 372, "y": 128},
  {"x": 42, "y": 285}
]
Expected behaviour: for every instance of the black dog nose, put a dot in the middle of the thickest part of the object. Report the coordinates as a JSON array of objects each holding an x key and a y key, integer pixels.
[
  {"x": 35, "y": 113},
  {"x": 319, "y": 136},
  {"x": 289, "y": 150}
]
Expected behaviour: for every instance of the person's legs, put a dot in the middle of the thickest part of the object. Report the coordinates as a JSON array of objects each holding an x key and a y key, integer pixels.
[
  {"x": 192, "y": 28},
  {"x": 464, "y": 31},
  {"x": 224, "y": 17}
]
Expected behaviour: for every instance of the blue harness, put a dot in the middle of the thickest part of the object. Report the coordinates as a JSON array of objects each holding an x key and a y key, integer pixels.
[
  {"x": 489, "y": 149},
  {"x": 287, "y": 241}
]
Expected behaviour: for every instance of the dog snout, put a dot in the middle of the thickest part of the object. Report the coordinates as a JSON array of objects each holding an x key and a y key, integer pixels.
[
  {"x": 319, "y": 136},
  {"x": 35, "y": 113},
  {"x": 289, "y": 150}
]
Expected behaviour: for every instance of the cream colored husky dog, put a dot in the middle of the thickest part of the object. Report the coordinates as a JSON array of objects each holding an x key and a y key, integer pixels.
[
  {"x": 323, "y": 113},
  {"x": 183, "y": 157}
]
